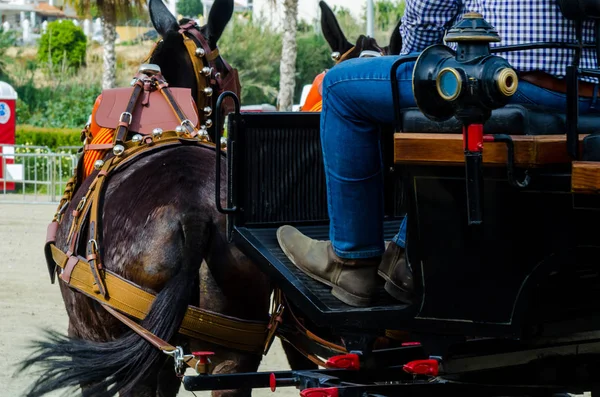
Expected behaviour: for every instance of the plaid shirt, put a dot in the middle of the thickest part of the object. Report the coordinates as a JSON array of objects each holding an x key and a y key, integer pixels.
[{"x": 517, "y": 21}]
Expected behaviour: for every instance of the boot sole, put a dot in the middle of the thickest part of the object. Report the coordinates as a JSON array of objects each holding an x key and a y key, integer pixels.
[
  {"x": 395, "y": 291},
  {"x": 340, "y": 293}
]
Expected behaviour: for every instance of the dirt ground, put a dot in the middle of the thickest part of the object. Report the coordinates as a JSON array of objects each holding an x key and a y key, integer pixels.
[{"x": 29, "y": 303}]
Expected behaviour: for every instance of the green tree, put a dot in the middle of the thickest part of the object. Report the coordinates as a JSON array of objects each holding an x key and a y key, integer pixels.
[
  {"x": 7, "y": 39},
  {"x": 314, "y": 56},
  {"x": 62, "y": 44},
  {"x": 190, "y": 8},
  {"x": 255, "y": 50}
]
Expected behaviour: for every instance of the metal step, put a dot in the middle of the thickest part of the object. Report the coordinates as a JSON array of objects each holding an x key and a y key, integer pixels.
[{"x": 315, "y": 298}]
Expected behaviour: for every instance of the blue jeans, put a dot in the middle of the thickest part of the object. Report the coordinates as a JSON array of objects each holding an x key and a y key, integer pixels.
[{"x": 357, "y": 100}]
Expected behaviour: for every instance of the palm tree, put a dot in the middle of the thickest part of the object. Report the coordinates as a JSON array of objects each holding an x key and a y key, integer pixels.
[
  {"x": 109, "y": 11},
  {"x": 287, "y": 67}
]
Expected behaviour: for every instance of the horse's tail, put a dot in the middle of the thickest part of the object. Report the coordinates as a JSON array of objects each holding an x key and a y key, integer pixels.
[{"x": 105, "y": 368}]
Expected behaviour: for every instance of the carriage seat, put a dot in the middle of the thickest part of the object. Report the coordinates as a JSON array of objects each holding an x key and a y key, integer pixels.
[{"x": 511, "y": 119}]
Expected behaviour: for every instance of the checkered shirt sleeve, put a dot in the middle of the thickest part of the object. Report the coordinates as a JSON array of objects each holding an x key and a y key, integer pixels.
[{"x": 425, "y": 22}]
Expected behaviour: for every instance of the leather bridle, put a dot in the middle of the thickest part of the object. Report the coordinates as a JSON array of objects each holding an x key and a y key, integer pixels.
[{"x": 206, "y": 71}]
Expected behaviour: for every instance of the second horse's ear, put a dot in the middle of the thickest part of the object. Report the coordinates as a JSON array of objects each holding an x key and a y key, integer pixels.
[
  {"x": 161, "y": 17},
  {"x": 332, "y": 31},
  {"x": 220, "y": 14},
  {"x": 396, "y": 40}
]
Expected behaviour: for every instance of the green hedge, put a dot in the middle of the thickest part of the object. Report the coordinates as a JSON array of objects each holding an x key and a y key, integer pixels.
[{"x": 51, "y": 137}]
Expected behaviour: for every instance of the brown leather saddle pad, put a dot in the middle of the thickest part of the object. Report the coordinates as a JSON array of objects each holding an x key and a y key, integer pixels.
[{"x": 156, "y": 114}]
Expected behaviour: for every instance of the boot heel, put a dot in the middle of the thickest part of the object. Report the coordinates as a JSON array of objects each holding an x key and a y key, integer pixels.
[
  {"x": 397, "y": 292},
  {"x": 350, "y": 299}
]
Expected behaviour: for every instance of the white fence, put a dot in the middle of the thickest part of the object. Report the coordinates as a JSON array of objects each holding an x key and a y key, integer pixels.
[{"x": 35, "y": 174}]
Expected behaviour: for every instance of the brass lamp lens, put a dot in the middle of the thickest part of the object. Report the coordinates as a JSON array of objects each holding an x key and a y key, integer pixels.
[{"x": 449, "y": 84}]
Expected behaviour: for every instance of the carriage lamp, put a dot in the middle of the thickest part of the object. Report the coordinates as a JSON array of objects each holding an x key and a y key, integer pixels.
[{"x": 466, "y": 83}]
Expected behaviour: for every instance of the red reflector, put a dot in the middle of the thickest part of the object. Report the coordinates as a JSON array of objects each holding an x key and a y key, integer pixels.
[
  {"x": 489, "y": 138},
  {"x": 320, "y": 392},
  {"x": 423, "y": 367},
  {"x": 344, "y": 361},
  {"x": 272, "y": 382},
  {"x": 202, "y": 357},
  {"x": 406, "y": 344}
]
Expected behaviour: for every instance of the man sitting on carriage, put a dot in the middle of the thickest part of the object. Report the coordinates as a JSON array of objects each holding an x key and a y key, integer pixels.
[{"x": 357, "y": 99}]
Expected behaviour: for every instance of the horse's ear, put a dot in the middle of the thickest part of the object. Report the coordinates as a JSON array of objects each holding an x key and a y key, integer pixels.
[
  {"x": 220, "y": 14},
  {"x": 396, "y": 40},
  {"x": 332, "y": 31},
  {"x": 161, "y": 17}
]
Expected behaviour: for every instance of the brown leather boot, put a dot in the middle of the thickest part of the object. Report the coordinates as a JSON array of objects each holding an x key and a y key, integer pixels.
[
  {"x": 396, "y": 273},
  {"x": 352, "y": 280}
]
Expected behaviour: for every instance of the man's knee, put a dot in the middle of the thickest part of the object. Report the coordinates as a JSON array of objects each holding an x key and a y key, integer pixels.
[{"x": 340, "y": 73}]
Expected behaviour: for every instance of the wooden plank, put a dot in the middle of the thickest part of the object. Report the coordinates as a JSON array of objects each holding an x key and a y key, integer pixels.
[
  {"x": 447, "y": 149},
  {"x": 585, "y": 177}
]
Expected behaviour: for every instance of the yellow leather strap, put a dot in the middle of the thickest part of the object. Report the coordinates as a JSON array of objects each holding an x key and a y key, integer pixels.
[
  {"x": 130, "y": 299},
  {"x": 198, "y": 66}
]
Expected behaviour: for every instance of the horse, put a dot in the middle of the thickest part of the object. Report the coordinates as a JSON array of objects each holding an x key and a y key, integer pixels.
[
  {"x": 343, "y": 50},
  {"x": 159, "y": 223}
]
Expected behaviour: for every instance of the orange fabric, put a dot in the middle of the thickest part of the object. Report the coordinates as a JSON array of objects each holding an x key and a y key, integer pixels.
[
  {"x": 314, "y": 100},
  {"x": 99, "y": 136}
]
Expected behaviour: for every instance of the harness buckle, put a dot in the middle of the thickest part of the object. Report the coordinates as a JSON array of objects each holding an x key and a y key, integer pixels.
[
  {"x": 126, "y": 114},
  {"x": 59, "y": 214},
  {"x": 81, "y": 204},
  {"x": 94, "y": 244},
  {"x": 179, "y": 359},
  {"x": 188, "y": 125},
  {"x": 274, "y": 322}
]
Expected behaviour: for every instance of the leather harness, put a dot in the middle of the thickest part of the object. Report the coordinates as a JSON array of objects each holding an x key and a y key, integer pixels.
[{"x": 120, "y": 297}]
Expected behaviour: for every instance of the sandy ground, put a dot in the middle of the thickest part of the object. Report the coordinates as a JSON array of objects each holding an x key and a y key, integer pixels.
[{"x": 29, "y": 303}]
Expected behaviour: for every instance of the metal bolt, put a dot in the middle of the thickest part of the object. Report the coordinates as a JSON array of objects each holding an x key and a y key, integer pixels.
[
  {"x": 137, "y": 138},
  {"x": 180, "y": 129},
  {"x": 157, "y": 132},
  {"x": 208, "y": 123},
  {"x": 200, "y": 52},
  {"x": 208, "y": 111},
  {"x": 206, "y": 71},
  {"x": 118, "y": 150},
  {"x": 98, "y": 164},
  {"x": 208, "y": 91},
  {"x": 203, "y": 133},
  {"x": 223, "y": 142}
]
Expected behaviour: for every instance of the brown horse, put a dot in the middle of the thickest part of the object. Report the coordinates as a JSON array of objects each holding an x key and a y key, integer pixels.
[
  {"x": 340, "y": 45},
  {"x": 159, "y": 223},
  {"x": 343, "y": 50}
]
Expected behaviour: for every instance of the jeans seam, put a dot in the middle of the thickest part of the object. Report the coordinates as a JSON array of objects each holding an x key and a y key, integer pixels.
[
  {"x": 358, "y": 255},
  {"x": 329, "y": 206}
]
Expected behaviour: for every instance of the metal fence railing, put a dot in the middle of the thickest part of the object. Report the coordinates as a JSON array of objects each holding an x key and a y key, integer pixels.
[{"x": 34, "y": 174}]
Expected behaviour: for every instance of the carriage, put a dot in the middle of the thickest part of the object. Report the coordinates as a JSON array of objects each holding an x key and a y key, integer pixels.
[{"x": 502, "y": 203}]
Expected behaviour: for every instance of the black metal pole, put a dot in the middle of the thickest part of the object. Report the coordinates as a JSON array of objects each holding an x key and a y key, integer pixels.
[{"x": 218, "y": 151}]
